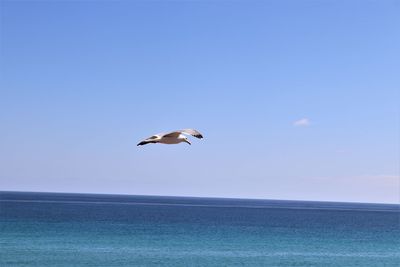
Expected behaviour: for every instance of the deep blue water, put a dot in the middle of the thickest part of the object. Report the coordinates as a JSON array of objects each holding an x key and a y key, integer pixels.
[{"x": 46, "y": 229}]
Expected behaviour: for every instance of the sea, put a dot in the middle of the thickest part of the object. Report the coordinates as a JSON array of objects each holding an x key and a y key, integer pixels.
[{"x": 59, "y": 229}]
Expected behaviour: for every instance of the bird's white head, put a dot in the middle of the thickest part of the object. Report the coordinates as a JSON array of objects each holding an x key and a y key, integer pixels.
[{"x": 186, "y": 141}]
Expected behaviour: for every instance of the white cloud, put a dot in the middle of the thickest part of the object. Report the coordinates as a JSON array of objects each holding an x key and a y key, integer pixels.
[{"x": 302, "y": 122}]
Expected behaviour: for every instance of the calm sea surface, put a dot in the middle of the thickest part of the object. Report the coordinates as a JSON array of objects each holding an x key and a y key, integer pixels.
[{"x": 46, "y": 229}]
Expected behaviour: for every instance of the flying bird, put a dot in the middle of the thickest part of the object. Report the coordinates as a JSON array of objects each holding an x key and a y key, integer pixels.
[{"x": 175, "y": 137}]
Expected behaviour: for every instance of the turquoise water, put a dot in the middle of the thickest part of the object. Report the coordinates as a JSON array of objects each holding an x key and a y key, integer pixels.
[{"x": 43, "y": 229}]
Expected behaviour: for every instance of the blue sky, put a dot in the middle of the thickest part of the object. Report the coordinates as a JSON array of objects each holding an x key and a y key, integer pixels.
[{"x": 83, "y": 81}]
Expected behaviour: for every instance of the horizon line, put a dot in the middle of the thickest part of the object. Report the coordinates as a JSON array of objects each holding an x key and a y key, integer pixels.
[{"x": 202, "y": 197}]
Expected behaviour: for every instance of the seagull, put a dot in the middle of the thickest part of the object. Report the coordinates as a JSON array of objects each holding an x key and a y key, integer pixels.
[{"x": 175, "y": 137}]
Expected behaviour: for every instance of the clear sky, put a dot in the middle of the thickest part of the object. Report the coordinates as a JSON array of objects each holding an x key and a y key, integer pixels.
[{"x": 296, "y": 99}]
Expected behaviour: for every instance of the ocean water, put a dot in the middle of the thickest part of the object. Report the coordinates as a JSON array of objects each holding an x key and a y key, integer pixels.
[{"x": 46, "y": 229}]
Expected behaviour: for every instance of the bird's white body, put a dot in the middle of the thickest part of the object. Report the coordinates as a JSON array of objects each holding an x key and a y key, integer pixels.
[
  {"x": 171, "y": 140},
  {"x": 175, "y": 137}
]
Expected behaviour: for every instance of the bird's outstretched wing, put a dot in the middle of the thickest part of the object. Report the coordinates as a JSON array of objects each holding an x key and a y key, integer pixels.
[
  {"x": 152, "y": 139},
  {"x": 157, "y": 136},
  {"x": 172, "y": 134},
  {"x": 191, "y": 132}
]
